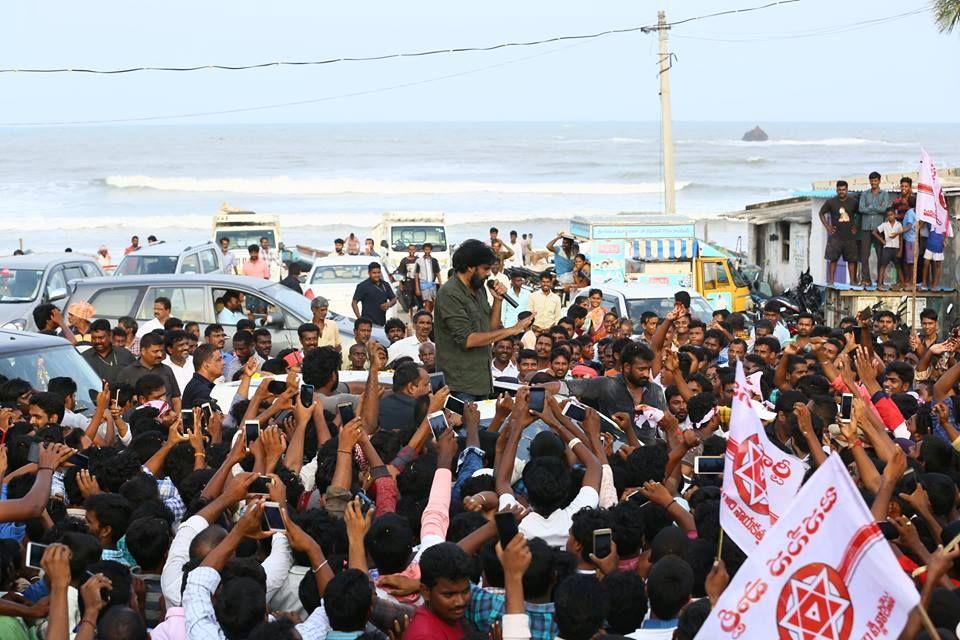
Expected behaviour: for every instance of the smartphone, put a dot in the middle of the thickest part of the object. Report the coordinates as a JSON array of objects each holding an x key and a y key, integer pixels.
[
  {"x": 888, "y": 530},
  {"x": 365, "y": 502},
  {"x": 602, "y": 540},
  {"x": 35, "y": 554},
  {"x": 272, "y": 518},
  {"x": 708, "y": 465},
  {"x": 537, "y": 396},
  {"x": 438, "y": 424},
  {"x": 276, "y": 387},
  {"x": 575, "y": 411},
  {"x": 116, "y": 398},
  {"x": 79, "y": 460},
  {"x": 33, "y": 454},
  {"x": 251, "y": 429},
  {"x": 187, "y": 416},
  {"x": 437, "y": 381},
  {"x": 260, "y": 485},
  {"x": 306, "y": 395},
  {"x": 346, "y": 412},
  {"x": 846, "y": 407},
  {"x": 456, "y": 405},
  {"x": 93, "y": 396},
  {"x": 506, "y": 527},
  {"x": 207, "y": 411}
]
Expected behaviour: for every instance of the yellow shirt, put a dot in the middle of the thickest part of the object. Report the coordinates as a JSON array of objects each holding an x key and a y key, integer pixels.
[
  {"x": 546, "y": 307},
  {"x": 329, "y": 335}
]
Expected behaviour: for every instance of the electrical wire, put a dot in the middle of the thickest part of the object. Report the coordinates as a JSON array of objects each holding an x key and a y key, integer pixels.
[
  {"x": 295, "y": 103},
  {"x": 389, "y": 56},
  {"x": 806, "y": 33}
]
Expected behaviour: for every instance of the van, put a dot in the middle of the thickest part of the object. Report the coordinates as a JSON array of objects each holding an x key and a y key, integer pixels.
[
  {"x": 38, "y": 278},
  {"x": 165, "y": 258},
  {"x": 244, "y": 228}
]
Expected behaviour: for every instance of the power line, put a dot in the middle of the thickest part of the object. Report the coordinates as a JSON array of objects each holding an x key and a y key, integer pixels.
[
  {"x": 806, "y": 33},
  {"x": 295, "y": 103},
  {"x": 389, "y": 56}
]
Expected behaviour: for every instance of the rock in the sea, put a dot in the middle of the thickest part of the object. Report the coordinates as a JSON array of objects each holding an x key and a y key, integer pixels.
[{"x": 756, "y": 135}]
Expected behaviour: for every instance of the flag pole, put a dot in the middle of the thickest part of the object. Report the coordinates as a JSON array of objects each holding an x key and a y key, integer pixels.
[
  {"x": 928, "y": 623},
  {"x": 916, "y": 260},
  {"x": 720, "y": 544}
]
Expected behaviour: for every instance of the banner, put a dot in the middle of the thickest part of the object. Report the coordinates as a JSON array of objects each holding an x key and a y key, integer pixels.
[
  {"x": 759, "y": 480},
  {"x": 931, "y": 203},
  {"x": 824, "y": 571}
]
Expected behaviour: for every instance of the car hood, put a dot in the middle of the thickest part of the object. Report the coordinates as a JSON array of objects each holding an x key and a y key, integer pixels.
[{"x": 16, "y": 310}]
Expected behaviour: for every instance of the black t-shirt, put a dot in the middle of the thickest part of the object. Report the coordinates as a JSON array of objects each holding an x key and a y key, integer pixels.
[
  {"x": 844, "y": 215},
  {"x": 109, "y": 368},
  {"x": 371, "y": 295}
]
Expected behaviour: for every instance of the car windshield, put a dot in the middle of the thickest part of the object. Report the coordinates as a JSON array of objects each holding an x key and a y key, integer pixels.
[
  {"x": 38, "y": 366},
  {"x": 241, "y": 237},
  {"x": 339, "y": 274},
  {"x": 739, "y": 279},
  {"x": 402, "y": 237},
  {"x": 134, "y": 265},
  {"x": 19, "y": 285},
  {"x": 699, "y": 308},
  {"x": 290, "y": 300}
]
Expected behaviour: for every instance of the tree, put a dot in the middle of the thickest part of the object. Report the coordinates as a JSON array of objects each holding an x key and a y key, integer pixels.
[{"x": 947, "y": 14}]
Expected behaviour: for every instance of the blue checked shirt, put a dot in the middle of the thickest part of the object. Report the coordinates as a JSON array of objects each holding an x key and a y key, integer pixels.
[
  {"x": 487, "y": 607},
  {"x": 169, "y": 495}
]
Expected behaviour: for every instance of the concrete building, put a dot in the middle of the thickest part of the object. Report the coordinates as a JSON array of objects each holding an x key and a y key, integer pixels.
[{"x": 785, "y": 237}]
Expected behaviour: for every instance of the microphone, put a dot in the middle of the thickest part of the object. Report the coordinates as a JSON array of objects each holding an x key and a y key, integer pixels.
[{"x": 506, "y": 297}]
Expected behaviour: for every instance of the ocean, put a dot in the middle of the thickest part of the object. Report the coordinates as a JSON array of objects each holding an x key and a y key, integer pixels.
[{"x": 80, "y": 187}]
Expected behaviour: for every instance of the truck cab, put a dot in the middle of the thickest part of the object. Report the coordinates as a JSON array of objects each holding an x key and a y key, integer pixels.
[
  {"x": 244, "y": 228},
  {"x": 397, "y": 230},
  {"x": 646, "y": 251}
]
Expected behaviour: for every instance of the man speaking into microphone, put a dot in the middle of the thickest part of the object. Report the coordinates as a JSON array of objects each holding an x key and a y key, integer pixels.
[{"x": 466, "y": 325}]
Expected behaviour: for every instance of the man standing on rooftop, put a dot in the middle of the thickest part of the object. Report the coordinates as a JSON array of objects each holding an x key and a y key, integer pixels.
[{"x": 873, "y": 206}]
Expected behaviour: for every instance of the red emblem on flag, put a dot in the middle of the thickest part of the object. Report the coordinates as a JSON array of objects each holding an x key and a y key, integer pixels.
[
  {"x": 748, "y": 475},
  {"x": 814, "y": 604}
]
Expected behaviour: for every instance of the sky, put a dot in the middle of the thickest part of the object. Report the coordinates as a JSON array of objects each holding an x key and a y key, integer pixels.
[{"x": 754, "y": 67}]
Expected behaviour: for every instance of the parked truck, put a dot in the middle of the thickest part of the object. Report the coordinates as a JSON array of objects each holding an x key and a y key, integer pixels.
[
  {"x": 244, "y": 228},
  {"x": 398, "y": 230},
  {"x": 638, "y": 249}
]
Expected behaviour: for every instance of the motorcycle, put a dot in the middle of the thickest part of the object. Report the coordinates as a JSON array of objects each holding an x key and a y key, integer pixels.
[{"x": 806, "y": 297}]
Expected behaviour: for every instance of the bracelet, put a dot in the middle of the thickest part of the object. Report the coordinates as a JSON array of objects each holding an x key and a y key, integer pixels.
[
  {"x": 573, "y": 442},
  {"x": 483, "y": 499},
  {"x": 316, "y": 570},
  {"x": 856, "y": 443},
  {"x": 82, "y": 620},
  {"x": 345, "y": 451},
  {"x": 197, "y": 454}
]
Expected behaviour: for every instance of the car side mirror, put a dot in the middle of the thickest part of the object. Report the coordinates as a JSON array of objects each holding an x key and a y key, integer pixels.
[
  {"x": 274, "y": 321},
  {"x": 56, "y": 294}
]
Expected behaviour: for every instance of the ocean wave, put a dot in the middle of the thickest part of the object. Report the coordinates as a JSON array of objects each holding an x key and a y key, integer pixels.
[
  {"x": 615, "y": 140},
  {"x": 339, "y": 186},
  {"x": 790, "y": 142}
]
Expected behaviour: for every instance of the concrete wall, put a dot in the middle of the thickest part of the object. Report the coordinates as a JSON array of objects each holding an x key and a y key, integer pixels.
[{"x": 781, "y": 274}]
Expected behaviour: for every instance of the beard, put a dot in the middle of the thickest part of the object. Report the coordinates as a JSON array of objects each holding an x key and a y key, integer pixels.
[{"x": 476, "y": 281}]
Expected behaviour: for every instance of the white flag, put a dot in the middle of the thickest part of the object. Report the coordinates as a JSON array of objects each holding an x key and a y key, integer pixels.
[
  {"x": 824, "y": 571},
  {"x": 759, "y": 480},
  {"x": 931, "y": 203}
]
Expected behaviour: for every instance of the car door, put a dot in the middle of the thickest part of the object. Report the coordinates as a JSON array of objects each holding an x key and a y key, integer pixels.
[
  {"x": 55, "y": 289},
  {"x": 116, "y": 302},
  {"x": 209, "y": 262}
]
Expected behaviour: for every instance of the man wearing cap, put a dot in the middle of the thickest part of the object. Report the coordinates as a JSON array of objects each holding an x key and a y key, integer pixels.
[
  {"x": 79, "y": 315},
  {"x": 329, "y": 332}
]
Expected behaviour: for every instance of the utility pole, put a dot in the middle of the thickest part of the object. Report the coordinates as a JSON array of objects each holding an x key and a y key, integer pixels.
[{"x": 669, "y": 196}]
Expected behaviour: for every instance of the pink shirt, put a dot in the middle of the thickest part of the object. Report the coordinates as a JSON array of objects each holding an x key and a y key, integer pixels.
[
  {"x": 257, "y": 269},
  {"x": 173, "y": 627}
]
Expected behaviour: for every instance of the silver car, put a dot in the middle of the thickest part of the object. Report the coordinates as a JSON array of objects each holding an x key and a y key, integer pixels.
[
  {"x": 193, "y": 298},
  {"x": 172, "y": 257},
  {"x": 37, "y": 358},
  {"x": 31, "y": 280}
]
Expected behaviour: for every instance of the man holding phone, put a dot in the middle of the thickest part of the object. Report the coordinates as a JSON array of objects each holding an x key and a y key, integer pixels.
[{"x": 467, "y": 326}]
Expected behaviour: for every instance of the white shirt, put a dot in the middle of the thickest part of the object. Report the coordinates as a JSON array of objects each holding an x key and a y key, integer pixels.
[
  {"x": 888, "y": 230},
  {"x": 182, "y": 374},
  {"x": 150, "y": 325},
  {"x": 409, "y": 346},
  {"x": 229, "y": 262},
  {"x": 516, "y": 260},
  {"x": 510, "y": 372},
  {"x": 555, "y": 528}
]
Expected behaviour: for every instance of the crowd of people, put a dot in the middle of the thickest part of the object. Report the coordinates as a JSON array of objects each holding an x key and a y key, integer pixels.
[
  {"x": 873, "y": 223},
  {"x": 528, "y": 471}
]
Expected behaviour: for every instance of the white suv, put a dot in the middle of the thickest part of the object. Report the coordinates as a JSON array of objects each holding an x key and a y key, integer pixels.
[{"x": 165, "y": 258}]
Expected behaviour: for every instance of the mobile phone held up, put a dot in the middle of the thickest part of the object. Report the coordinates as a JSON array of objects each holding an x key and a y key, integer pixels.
[
  {"x": 506, "y": 527},
  {"x": 35, "y": 554},
  {"x": 272, "y": 518},
  {"x": 537, "y": 397},
  {"x": 454, "y": 405},
  {"x": 251, "y": 429},
  {"x": 846, "y": 407},
  {"x": 306, "y": 395},
  {"x": 602, "y": 542},
  {"x": 575, "y": 411},
  {"x": 437, "y": 382},
  {"x": 438, "y": 424},
  {"x": 708, "y": 465},
  {"x": 345, "y": 410}
]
